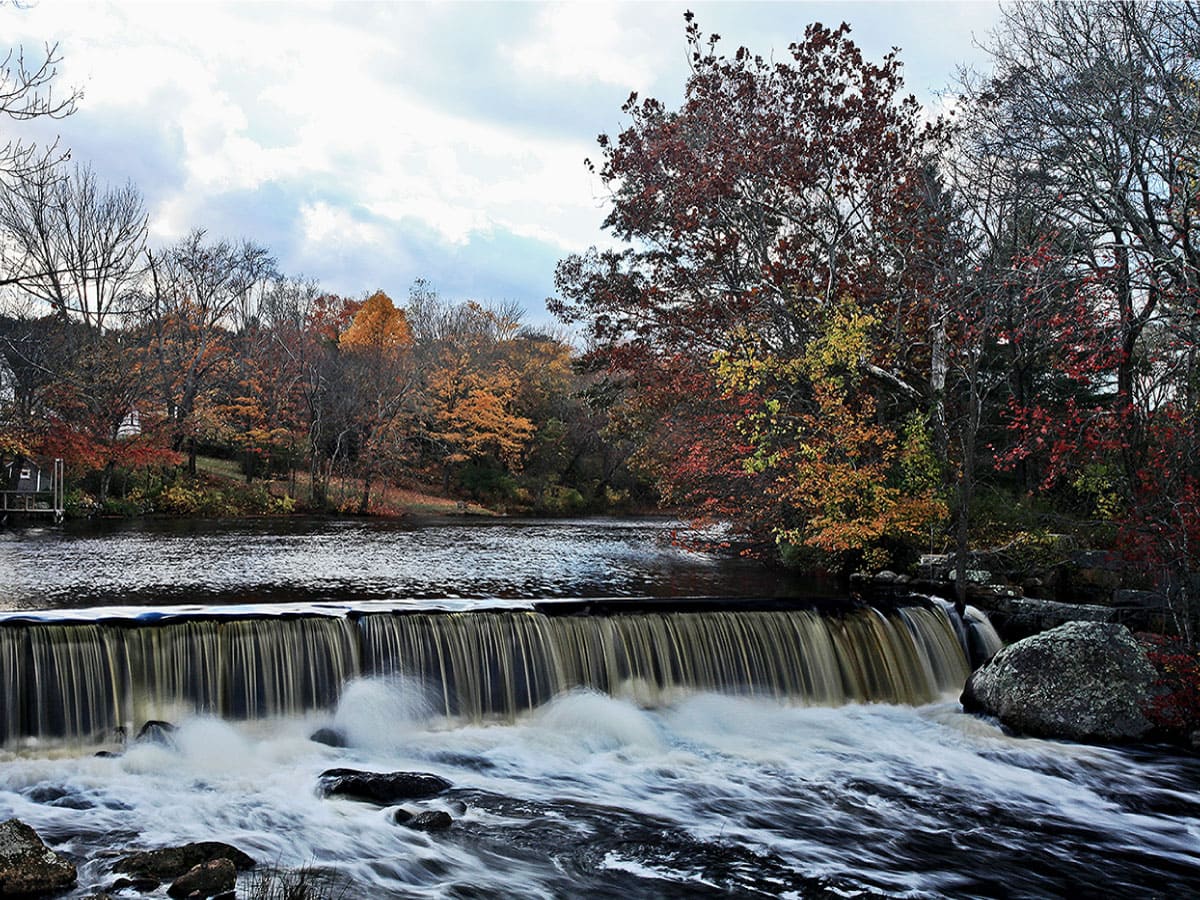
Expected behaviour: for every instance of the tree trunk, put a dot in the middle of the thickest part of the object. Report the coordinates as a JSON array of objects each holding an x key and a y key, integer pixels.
[
  {"x": 106, "y": 480},
  {"x": 364, "y": 501}
]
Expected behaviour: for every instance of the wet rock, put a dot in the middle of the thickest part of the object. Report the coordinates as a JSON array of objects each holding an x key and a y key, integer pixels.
[
  {"x": 382, "y": 788},
  {"x": 211, "y": 879},
  {"x": 45, "y": 793},
  {"x": 60, "y": 797},
  {"x": 465, "y": 761},
  {"x": 171, "y": 862},
  {"x": 331, "y": 737},
  {"x": 157, "y": 732},
  {"x": 1083, "y": 681},
  {"x": 106, "y": 754},
  {"x": 426, "y": 820},
  {"x": 27, "y": 866}
]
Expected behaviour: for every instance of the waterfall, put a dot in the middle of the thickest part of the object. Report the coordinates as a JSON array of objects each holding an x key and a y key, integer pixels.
[{"x": 84, "y": 680}]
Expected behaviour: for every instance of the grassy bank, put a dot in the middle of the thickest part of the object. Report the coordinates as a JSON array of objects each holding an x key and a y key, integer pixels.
[{"x": 220, "y": 490}]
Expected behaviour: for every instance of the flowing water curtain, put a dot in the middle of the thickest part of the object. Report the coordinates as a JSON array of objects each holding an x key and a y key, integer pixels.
[
  {"x": 84, "y": 680},
  {"x": 489, "y": 664}
]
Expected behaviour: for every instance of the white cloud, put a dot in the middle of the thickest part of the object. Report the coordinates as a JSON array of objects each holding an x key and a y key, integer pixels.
[
  {"x": 586, "y": 42},
  {"x": 327, "y": 226},
  {"x": 336, "y": 111}
]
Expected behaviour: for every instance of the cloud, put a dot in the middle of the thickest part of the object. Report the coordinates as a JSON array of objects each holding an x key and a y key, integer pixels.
[
  {"x": 586, "y": 43},
  {"x": 366, "y": 143}
]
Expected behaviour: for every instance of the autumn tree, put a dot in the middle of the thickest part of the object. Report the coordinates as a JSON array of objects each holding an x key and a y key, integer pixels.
[
  {"x": 470, "y": 390},
  {"x": 1100, "y": 101},
  {"x": 376, "y": 351},
  {"x": 195, "y": 287},
  {"x": 77, "y": 247},
  {"x": 756, "y": 213}
]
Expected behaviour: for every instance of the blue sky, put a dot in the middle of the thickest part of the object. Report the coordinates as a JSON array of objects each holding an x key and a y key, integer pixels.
[{"x": 369, "y": 144}]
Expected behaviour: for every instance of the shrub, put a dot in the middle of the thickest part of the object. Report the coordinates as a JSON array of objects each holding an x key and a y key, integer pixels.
[{"x": 1176, "y": 708}]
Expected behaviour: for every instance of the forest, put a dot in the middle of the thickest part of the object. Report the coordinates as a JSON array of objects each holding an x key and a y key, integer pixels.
[{"x": 855, "y": 330}]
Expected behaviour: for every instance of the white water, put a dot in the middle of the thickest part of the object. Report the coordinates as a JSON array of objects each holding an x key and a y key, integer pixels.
[{"x": 595, "y": 796}]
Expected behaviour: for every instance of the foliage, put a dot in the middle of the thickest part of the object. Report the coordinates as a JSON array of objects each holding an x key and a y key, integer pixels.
[{"x": 1176, "y": 705}]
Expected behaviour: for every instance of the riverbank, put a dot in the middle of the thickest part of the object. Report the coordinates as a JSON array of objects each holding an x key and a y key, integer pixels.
[{"x": 219, "y": 490}]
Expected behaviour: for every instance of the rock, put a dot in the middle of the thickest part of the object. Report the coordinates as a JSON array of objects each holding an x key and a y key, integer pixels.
[
  {"x": 56, "y": 796},
  {"x": 382, "y": 788},
  {"x": 1019, "y": 617},
  {"x": 1091, "y": 576},
  {"x": 429, "y": 820},
  {"x": 28, "y": 866},
  {"x": 211, "y": 879},
  {"x": 331, "y": 737},
  {"x": 171, "y": 862},
  {"x": 157, "y": 732},
  {"x": 885, "y": 576},
  {"x": 1083, "y": 681}
]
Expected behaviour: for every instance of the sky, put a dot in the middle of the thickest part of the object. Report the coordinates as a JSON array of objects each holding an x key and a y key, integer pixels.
[{"x": 370, "y": 144}]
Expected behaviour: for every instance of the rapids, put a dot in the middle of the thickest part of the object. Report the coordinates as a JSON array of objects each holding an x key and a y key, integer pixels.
[
  {"x": 755, "y": 744},
  {"x": 595, "y": 796}
]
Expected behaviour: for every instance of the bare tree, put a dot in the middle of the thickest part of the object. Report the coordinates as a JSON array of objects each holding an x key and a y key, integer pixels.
[
  {"x": 26, "y": 93},
  {"x": 74, "y": 244}
]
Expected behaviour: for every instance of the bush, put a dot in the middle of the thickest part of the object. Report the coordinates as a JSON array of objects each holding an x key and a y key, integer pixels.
[
  {"x": 124, "y": 506},
  {"x": 558, "y": 500},
  {"x": 79, "y": 504},
  {"x": 1176, "y": 707},
  {"x": 484, "y": 480}
]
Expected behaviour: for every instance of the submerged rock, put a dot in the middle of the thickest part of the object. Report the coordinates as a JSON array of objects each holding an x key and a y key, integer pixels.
[
  {"x": 331, "y": 737},
  {"x": 27, "y": 866},
  {"x": 382, "y": 788},
  {"x": 215, "y": 878},
  {"x": 171, "y": 862},
  {"x": 1083, "y": 681},
  {"x": 157, "y": 732},
  {"x": 427, "y": 820}
]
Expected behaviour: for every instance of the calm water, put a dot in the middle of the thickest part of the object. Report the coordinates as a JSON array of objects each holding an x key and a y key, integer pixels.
[
  {"x": 590, "y": 795},
  {"x": 163, "y": 563}
]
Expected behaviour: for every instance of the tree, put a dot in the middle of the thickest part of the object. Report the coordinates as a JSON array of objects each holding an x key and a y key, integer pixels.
[
  {"x": 1099, "y": 101},
  {"x": 376, "y": 356},
  {"x": 27, "y": 93},
  {"x": 775, "y": 197},
  {"x": 75, "y": 244},
  {"x": 195, "y": 288}
]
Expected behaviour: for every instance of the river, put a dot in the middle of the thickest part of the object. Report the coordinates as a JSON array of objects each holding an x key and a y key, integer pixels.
[{"x": 721, "y": 782}]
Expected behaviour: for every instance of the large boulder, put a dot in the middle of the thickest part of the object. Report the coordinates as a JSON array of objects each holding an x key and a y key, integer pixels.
[
  {"x": 27, "y": 866},
  {"x": 1083, "y": 681},
  {"x": 382, "y": 788}
]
